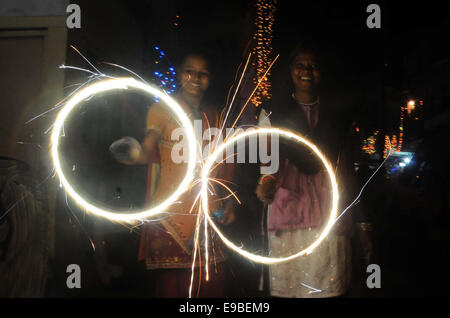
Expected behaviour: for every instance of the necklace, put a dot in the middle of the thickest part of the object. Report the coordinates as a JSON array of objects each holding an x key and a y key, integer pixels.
[{"x": 306, "y": 104}]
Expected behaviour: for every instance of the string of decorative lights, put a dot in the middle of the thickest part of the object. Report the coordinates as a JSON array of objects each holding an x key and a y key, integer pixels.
[
  {"x": 369, "y": 144},
  {"x": 400, "y": 128},
  {"x": 262, "y": 50},
  {"x": 394, "y": 143},
  {"x": 396, "y": 146},
  {"x": 164, "y": 74}
]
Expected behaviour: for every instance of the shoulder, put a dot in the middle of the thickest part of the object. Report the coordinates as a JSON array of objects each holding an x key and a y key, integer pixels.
[
  {"x": 158, "y": 107},
  {"x": 158, "y": 111},
  {"x": 157, "y": 116},
  {"x": 263, "y": 117},
  {"x": 264, "y": 110}
]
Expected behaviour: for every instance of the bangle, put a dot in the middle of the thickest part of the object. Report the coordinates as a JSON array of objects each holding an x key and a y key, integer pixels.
[
  {"x": 265, "y": 178},
  {"x": 364, "y": 226}
]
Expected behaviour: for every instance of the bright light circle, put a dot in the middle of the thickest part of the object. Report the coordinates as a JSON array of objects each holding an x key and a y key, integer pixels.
[
  {"x": 297, "y": 138},
  {"x": 109, "y": 85}
]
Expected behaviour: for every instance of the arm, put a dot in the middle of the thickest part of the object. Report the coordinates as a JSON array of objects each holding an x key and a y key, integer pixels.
[
  {"x": 266, "y": 188},
  {"x": 356, "y": 222},
  {"x": 149, "y": 145},
  {"x": 129, "y": 151}
]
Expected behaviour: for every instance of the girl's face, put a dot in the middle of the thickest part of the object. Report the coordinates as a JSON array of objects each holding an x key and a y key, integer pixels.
[
  {"x": 305, "y": 72},
  {"x": 194, "y": 76}
]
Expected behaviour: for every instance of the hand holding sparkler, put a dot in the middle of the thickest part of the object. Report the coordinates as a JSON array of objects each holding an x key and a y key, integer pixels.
[
  {"x": 126, "y": 150},
  {"x": 265, "y": 191}
]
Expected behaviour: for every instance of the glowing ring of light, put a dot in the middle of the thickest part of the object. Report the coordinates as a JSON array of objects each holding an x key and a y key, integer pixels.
[
  {"x": 109, "y": 85},
  {"x": 253, "y": 257}
]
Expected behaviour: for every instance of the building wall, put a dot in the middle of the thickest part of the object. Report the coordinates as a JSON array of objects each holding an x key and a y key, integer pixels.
[{"x": 33, "y": 8}]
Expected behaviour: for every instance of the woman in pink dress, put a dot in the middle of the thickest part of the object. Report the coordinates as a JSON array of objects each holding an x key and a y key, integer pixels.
[{"x": 299, "y": 194}]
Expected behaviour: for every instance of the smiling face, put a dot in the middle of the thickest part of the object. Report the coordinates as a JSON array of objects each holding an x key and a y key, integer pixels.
[
  {"x": 305, "y": 72},
  {"x": 194, "y": 76}
]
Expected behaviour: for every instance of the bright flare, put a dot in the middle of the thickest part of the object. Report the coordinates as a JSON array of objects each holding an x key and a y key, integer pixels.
[
  {"x": 115, "y": 84},
  {"x": 210, "y": 161}
]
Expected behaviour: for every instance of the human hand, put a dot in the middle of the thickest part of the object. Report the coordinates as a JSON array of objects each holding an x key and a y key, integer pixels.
[
  {"x": 228, "y": 215},
  {"x": 266, "y": 191},
  {"x": 126, "y": 150}
]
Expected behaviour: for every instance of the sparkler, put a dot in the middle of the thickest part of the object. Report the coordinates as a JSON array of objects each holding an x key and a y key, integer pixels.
[
  {"x": 296, "y": 138},
  {"x": 115, "y": 84}
]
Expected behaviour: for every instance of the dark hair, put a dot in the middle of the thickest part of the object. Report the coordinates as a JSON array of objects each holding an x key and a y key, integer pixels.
[
  {"x": 203, "y": 54},
  {"x": 283, "y": 86},
  {"x": 303, "y": 47}
]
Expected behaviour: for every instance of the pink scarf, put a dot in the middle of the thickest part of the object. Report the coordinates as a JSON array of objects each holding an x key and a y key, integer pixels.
[{"x": 300, "y": 200}]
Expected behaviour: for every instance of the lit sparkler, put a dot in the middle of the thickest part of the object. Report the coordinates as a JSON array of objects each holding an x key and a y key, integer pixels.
[
  {"x": 115, "y": 84},
  {"x": 296, "y": 138}
]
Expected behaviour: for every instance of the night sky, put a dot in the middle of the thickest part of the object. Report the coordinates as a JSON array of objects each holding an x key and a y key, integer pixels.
[{"x": 361, "y": 59}]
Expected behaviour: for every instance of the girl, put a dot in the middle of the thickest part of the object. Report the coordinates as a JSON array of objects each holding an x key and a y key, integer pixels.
[
  {"x": 300, "y": 193},
  {"x": 167, "y": 246}
]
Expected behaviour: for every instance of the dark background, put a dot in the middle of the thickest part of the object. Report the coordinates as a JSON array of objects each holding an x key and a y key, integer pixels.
[{"x": 375, "y": 70}]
